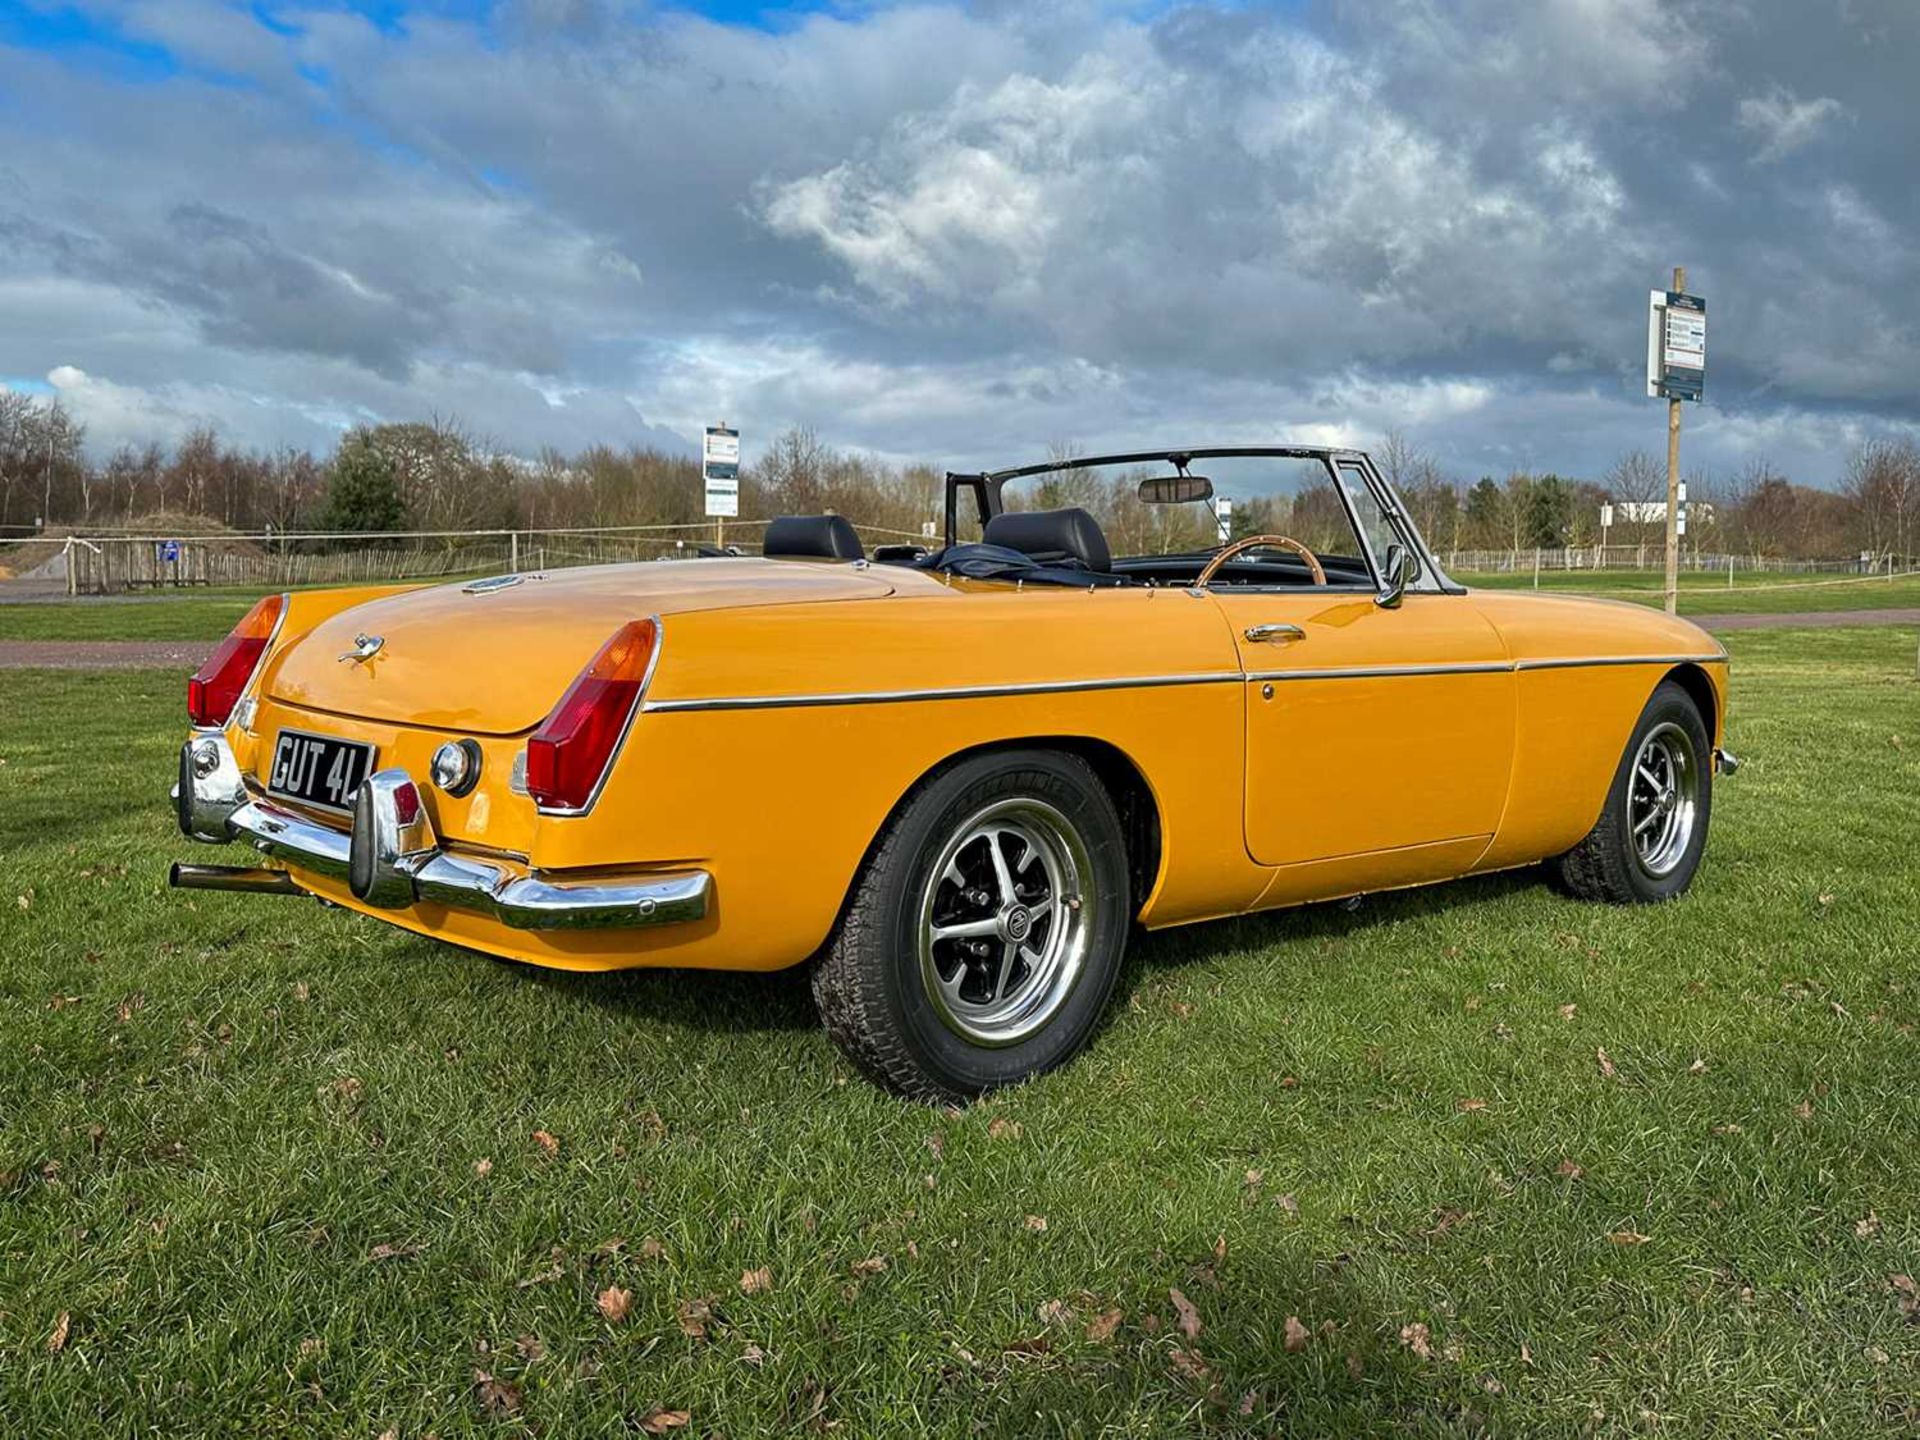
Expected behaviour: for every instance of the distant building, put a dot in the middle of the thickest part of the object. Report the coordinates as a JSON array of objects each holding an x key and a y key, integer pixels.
[{"x": 1654, "y": 512}]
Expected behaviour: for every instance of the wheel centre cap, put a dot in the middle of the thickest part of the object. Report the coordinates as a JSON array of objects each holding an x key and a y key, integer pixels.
[{"x": 1017, "y": 922}]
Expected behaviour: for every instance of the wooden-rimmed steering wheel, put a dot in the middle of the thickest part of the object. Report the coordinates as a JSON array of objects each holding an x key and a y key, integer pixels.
[{"x": 1251, "y": 542}]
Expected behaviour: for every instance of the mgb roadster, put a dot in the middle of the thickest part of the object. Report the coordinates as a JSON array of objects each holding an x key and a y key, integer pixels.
[{"x": 954, "y": 780}]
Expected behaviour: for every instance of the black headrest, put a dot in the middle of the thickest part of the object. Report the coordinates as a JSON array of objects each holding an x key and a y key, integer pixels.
[
  {"x": 814, "y": 537},
  {"x": 1070, "y": 534}
]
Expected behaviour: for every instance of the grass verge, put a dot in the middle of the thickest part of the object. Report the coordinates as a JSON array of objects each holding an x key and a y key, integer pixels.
[
  {"x": 1711, "y": 595},
  {"x": 268, "y": 1169}
]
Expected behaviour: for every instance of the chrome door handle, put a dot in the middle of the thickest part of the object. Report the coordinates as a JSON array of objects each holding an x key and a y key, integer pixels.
[{"x": 1274, "y": 632}]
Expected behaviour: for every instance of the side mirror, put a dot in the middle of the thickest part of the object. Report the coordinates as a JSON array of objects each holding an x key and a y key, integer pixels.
[{"x": 1401, "y": 570}]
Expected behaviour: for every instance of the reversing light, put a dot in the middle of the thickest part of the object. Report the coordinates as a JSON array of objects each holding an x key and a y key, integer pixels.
[
  {"x": 568, "y": 756},
  {"x": 218, "y": 684}
]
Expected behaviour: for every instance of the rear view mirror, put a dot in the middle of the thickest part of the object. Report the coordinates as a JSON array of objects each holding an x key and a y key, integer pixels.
[{"x": 1175, "y": 489}]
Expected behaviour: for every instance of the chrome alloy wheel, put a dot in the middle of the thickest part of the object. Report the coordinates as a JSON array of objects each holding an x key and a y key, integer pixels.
[
  {"x": 1663, "y": 798},
  {"x": 1004, "y": 921}
]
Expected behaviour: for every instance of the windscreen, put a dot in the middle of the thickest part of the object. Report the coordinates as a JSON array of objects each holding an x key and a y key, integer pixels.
[{"x": 1259, "y": 494}]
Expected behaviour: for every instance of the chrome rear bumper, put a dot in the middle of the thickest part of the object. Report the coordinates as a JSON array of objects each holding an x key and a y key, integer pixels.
[{"x": 392, "y": 859}]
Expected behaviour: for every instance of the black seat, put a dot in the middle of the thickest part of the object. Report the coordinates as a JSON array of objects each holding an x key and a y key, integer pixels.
[
  {"x": 812, "y": 537},
  {"x": 1051, "y": 536}
]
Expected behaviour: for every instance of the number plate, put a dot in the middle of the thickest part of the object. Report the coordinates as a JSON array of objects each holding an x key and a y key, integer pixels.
[{"x": 318, "y": 770}]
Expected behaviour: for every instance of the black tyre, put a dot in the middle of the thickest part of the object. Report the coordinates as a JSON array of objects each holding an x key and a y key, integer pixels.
[
  {"x": 984, "y": 932},
  {"x": 1650, "y": 835}
]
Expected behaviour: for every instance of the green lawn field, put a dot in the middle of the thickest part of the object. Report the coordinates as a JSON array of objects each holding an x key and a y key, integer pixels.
[
  {"x": 1476, "y": 1159},
  {"x": 1711, "y": 595}
]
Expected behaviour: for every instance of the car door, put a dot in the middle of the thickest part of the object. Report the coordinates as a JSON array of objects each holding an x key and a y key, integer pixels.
[{"x": 1370, "y": 728}]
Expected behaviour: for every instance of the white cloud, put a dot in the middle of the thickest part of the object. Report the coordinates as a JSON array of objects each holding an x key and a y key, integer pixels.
[{"x": 1783, "y": 123}]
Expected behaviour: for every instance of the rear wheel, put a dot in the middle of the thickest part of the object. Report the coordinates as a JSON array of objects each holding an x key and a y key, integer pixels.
[
  {"x": 1647, "y": 843},
  {"x": 984, "y": 932}
]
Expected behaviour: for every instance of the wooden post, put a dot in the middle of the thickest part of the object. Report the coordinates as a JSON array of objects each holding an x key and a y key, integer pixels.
[
  {"x": 1673, "y": 478},
  {"x": 513, "y": 554}
]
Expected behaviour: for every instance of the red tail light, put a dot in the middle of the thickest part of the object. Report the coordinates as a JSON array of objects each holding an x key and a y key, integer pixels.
[
  {"x": 567, "y": 757},
  {"x": 215, "y": 689}
]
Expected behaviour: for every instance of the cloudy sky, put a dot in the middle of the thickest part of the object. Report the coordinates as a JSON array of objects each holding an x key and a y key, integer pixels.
[{"x": 963, "y": 232}]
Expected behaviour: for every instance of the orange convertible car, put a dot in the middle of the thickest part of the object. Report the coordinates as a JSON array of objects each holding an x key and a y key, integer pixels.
[{"x": 954, "y": 781}]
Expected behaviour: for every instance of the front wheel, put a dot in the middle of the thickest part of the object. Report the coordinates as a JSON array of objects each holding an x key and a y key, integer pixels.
[
  {"x": 1650, "y": 835},
  {"x": 984, "y": 933}
]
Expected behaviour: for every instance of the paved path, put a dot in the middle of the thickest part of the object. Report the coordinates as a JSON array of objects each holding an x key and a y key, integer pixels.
[
  {"x": 1807, "y": 618},
  {"x": 181, "y": 655}
]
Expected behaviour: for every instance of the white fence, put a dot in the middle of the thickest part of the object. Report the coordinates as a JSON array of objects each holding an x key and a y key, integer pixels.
[{"x": 108, "y": 564}]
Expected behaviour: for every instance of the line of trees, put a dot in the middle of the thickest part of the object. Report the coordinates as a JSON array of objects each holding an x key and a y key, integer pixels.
[{"x": 436, "y": 476}]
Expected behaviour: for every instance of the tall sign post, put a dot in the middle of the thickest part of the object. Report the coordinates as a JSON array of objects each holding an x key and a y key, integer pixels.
[
  {"x": 720, "y": 475},
  {"x": 1677, "y": 370}
]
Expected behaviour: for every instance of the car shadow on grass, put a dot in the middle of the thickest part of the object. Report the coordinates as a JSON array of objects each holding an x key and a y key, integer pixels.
[
  {"x": 712, "y": 1000},
  {"x": 782, "y": 1000},
  {"x": 1327, "y": 920}
]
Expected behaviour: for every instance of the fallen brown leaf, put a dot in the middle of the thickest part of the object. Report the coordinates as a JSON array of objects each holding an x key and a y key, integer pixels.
[
  {"x": 1445, "y": 1220},
  {"x": 496, "y": 1396},
  {"x": 1867, "y": 1226},
  {"x": 872, "y": 1265},
  {"x": 614, "y": 1303},
  {"x": 1417, "y": 1338},
  {"x": 1470, "y": 1105},
  {"x": 657, "y": 1421},
  {"x": 1189, "y": 1318},
  {"x": 1804, "y": 1110},
  {"x": 1297, "y": 1335},
  {"x": 1356, "y": 1367},
  {"x": 1287, "y": 1203},
  {"x": 1607, "y": 1070},
  {"x": 1628, "y": 1237},
  {"x": 1569, "y": 1170},
  {"x": 694, "y": 1317},
  {"x": 528, "y": 1347},
  {"x": 1189, "y": 1363},
  {"x": 1254, "y": 1177},
  {"x": 1056, "y": 1312},
  {"x": 546, "y": 1142},
  {"x": 1036, "y": 1223},
  {"x": 62, "y": 1327},
  {"x": 395, "y": 1252},
  {"x": 756, "y": 1282},
  {"x": 483, "y": 1168},
  {"x": 1907, "y": 1293},
  {"x": 1698, "y": 1067},
  {"x": 1567, "y": 1012},
  {"x": 1100, "y": 1329},
  {"x": 651, "y": 1249},
  {"x": 1003, "y": 1129}
]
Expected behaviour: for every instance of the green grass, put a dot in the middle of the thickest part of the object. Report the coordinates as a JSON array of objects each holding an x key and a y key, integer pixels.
[
  {"x": 1711, "y": 595},
  {"x": 215, "y": 1109},
  {"x": 197, "y": 617}
]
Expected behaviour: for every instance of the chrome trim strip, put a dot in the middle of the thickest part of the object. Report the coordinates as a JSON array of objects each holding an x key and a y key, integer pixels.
[
  {"x": 1139, "y": 682},
  {"x": 957, "y": 692},
  {"x": 1385, "y": 672},
  {"x": 1579, "y": 662}
]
